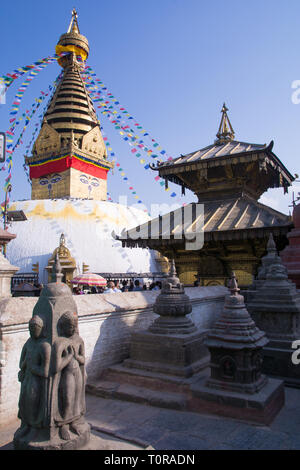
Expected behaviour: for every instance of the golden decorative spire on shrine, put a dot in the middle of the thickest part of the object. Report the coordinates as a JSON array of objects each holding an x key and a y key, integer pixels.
[
  {"x": 225, "y": 132},
  {"x": 69, "y": 156},
  {"x": 73, "y": 27},
  {"x": 72, "y": 42}
]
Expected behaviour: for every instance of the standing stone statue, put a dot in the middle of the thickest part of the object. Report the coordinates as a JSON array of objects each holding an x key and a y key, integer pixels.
[{"x": 52, "y": 374}]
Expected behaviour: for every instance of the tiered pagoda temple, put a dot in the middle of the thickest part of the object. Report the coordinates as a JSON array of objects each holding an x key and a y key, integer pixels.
[
  {"x": 228, "y": 177},
  {"x": 69, "y": 156}
]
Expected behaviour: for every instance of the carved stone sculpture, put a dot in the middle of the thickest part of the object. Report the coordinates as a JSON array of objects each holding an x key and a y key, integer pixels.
[
  {"x": 172, "y": 345},
  {"x": 275, "y": 308},
  {"x": 291, "y": 254},
  {"x": 235, "y": 344},
  {"x": 236, "y": 386},
  {"x": 52, "y": 374}
]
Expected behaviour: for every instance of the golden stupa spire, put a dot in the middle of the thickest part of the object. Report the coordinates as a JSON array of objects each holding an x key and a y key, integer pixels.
[
  {"x": 225, "y": 132},
  {"x": 72, "y": 42},
  {"x": 70, "y": 134},
  {"x": 73, "y": 27}
]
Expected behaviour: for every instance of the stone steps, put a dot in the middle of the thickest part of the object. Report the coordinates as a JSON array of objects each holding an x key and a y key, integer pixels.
[
  {"x": 147, "y": 379},
  {"x": 137, "y": 394}
]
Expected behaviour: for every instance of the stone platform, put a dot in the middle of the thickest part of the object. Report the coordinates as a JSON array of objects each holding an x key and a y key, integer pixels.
[
  {"x": 188, "y": 394},
  {"x": 120, "y": 425},
  {"x": 261, "y": 407},
  {"x": 178, "y": 354},
  {"x": 277, "y": 362}
]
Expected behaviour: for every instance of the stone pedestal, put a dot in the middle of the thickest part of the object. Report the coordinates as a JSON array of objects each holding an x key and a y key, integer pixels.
[
  {"x": 7, "y": 270},
  {"x": 275, "y": 307},
  {"x": 236, "y": 387},
  {"x": 291, "y": 254},
  {"x": 52, "y": 374}
]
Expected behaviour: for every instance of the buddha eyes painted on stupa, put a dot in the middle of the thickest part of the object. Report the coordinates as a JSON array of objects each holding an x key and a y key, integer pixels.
[
  {"x": 50, "y": 179},
  {"x": 89, "y": 180},
  {"x": 95, "y": 182}
]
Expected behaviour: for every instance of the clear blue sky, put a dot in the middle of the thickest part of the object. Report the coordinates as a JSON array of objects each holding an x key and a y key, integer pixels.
[{"x": 172, "y": 64}]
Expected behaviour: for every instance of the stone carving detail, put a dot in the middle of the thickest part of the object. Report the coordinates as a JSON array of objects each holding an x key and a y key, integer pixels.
[
  {"x": 228, "y": 367},
  {"x": 33, "y": 375},
  {"x": 172, "y": 304},
  {"x": 52, "y": 374},
  {"x": 266, "y": 262},
  {"x": 275, "y": 308},
  {"x": 234, "y": 343}
]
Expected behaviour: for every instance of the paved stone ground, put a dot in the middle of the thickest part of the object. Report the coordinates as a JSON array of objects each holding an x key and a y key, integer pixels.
[{"x": 119, "y": 425}]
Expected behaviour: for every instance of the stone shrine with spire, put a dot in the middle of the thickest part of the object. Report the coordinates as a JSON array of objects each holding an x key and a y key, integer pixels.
[
  {"x": 228, "y": 177},
  {"x": 69, "y": 157}
]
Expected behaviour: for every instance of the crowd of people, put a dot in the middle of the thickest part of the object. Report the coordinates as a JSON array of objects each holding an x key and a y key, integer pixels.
[{"x": 116, "y": 286}]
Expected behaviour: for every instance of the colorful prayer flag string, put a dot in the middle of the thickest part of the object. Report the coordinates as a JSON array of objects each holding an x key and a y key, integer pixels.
[{"x": 129, "y": 138}]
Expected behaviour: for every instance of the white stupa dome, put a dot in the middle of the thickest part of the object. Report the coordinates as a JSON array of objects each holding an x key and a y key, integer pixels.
[{"x": 87, "y": 226}]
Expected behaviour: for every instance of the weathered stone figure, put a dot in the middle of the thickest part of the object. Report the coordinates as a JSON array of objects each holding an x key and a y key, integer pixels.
[
  {"x": 34, "y": 378},
  {"x": 52, "y": 374},
  {"x": 70, "y": 376}
]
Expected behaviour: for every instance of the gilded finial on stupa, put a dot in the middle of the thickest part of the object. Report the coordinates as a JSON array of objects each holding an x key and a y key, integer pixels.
[
  {"x": 73, "y": 27},
  {"x": 72, "y": 43},
  {"x": 225, "y": 132}
]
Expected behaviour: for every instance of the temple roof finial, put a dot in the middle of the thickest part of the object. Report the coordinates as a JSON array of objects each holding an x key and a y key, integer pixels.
[
  {"x": 225, "y": 132},
  {"x": 73, "y": 27}
]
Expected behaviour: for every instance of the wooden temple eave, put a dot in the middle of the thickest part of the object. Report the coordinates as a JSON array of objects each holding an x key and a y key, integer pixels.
[
  {"x": 215, "y": 236},
  {"x": 265, "y": 158},
  {"x": 168, "y": 169}
]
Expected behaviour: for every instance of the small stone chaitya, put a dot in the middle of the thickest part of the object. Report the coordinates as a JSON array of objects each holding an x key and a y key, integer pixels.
[
  {"x": 236, "y": 386},
  {"x": 52, "y": 374},
  {"x": 291, "y": 254},
  {"x": 172, "y": 344},
  {"x": 275, "y": 307}
]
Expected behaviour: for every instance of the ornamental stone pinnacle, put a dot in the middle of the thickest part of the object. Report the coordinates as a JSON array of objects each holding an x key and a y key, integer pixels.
[
  {"x": 172, "y": 305},
  {"x": 236, "y": 386},
  {"x": 275, "y": 307},
  {"x": 233, "y": 342},
  {"x": 172, "y": 345}
]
